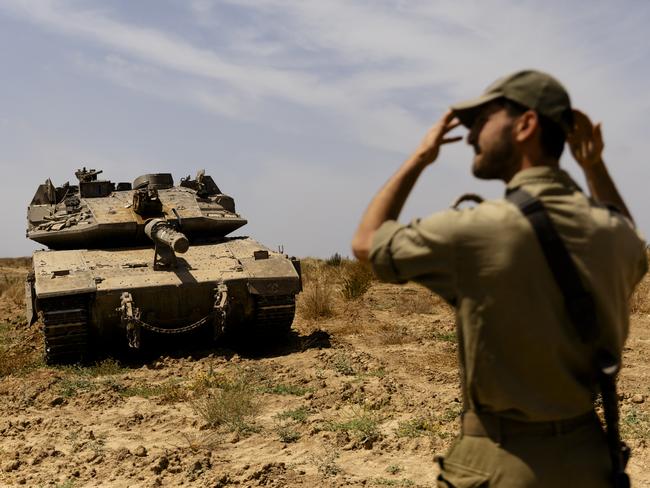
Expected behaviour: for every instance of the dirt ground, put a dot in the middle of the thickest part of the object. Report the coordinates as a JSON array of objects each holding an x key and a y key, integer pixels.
[{"x": 363, "y": 393}]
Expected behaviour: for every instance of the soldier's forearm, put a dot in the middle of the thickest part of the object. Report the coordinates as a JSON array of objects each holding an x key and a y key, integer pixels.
[
  {"x": 386, "y": 205},
  {"x": 603, "y": 189}
]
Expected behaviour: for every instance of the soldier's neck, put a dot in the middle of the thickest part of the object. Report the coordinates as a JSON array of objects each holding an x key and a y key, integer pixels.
[{"x": 531, "y": 162}]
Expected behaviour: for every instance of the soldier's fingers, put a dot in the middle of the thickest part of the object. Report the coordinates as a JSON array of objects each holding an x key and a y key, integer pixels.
[
  {"x": 598, "y": 134},
  {"x": 452, "y": 124},
  {"x": 447, "y": 140},
  {"x": 580, "y": 118},
  {"x": 582, "y": 125},
  {"x": 447, "y": 117}
]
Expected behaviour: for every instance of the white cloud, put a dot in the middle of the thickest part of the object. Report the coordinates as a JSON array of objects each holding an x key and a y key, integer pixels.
[
  {"x": 348, "y": 59},
  {"x": 151, "y": 81},
  {"x": 161, "y": 49}
]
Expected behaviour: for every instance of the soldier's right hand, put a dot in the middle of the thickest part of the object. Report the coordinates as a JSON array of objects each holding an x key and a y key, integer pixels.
[{"x": 435, "y": 137}]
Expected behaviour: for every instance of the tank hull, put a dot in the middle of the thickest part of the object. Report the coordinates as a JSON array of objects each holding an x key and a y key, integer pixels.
[{"x": 79, "y": 294}]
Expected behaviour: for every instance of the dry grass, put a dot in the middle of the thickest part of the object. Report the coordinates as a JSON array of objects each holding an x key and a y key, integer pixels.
[
  {"x": 357, "y": 279},
  {"x": 230, "y": 401},
  {"x": 15, "y": 361},
  {"x": 389, "y": 334},
  {"x": 12, "y": 288},
  {"x": 24, "y": 262},
  {"x": 635, "y": 424},
  {"x": 363, "y": 425},
  {"x": 334, "y": 260},
  {"x": 13, "y": 272},
  {"x": 327, "y": 282},
  {"x": 316, "y": 300},
  {"x": 16, "y": 355},
  {"x": 640, "y": 301}
]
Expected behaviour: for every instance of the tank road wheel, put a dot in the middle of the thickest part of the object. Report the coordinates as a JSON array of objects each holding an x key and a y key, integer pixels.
[{"x": 65, "y": 329}]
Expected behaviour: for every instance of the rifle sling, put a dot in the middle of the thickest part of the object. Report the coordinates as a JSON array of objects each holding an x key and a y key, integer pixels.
[{"x": 581, "y": 309}]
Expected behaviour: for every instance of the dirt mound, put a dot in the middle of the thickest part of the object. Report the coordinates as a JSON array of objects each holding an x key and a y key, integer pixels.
[{"x": 362, "y": 395}]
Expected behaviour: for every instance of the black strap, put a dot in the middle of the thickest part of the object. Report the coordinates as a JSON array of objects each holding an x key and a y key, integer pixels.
[
  {"x": 581, "y": 309},
  {"x": 578, "y": 301}
]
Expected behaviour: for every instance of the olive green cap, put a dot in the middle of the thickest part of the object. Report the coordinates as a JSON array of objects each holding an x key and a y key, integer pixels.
[{"x": 532, "y": 89}]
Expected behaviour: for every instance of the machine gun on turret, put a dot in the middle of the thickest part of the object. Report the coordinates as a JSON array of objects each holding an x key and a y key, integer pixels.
[{"x": 85, "y": 175}]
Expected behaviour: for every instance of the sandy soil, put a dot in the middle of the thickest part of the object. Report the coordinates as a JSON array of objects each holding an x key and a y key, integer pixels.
[{"x": 365, "y": 397}]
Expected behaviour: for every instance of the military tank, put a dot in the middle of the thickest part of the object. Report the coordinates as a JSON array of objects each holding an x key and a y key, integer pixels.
[{"x": 130, "y": 262}]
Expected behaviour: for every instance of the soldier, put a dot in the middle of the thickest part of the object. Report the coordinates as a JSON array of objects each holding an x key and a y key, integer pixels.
[{"x": 528, "y": 379}]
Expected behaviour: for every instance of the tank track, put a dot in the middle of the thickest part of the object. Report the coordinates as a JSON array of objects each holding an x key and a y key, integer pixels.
[
  {"x": 65, "y": 329},
  {"x": 274, "y": 312}
]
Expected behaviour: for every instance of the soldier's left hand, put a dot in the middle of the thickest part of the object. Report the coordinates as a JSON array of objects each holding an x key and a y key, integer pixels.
[{"x": 586, "y": 141}]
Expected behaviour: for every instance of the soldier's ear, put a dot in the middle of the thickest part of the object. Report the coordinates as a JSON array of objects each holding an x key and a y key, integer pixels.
[{"x": 526, "y": 126}]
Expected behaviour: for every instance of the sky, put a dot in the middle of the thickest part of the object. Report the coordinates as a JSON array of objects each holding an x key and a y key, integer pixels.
[{"x": 300, "y": 110}]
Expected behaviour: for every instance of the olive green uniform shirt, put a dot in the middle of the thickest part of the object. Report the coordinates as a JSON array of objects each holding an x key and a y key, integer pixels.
[{"x": 521, "y": 355}]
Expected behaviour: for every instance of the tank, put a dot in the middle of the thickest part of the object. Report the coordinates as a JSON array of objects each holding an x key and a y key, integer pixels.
[{"x": 131, "y": 263}]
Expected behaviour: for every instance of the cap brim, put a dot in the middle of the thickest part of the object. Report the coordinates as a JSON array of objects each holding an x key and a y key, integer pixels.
[{"x": 468, "y": 110}]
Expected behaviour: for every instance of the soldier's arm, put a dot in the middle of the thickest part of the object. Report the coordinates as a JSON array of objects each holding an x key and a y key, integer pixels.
[
  {"x": 586, "y": 143},
  {"x": 388, "y": 202}
]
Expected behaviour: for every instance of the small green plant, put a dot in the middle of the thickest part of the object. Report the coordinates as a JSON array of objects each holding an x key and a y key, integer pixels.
[
  {"x": 107, "y": 367},
  {"x": 66, "y": 484},
  {"x": 327, "y": 465},
  {"x": 172, "y": 392},
  {"x": 342, "y": 364},
  {"x": 414, "y": 428},
  {"x": 287, "y": 433},
  {"x": 387, "y": 482},
  {"x": 143, "y": 390},
  {"x": 445, "y": 336},
  {"x": 232, "y": 405},
  {"x": 298, "y": 415},
  {"x": 286, "y": 424},
  {"x": 362, "y": 424},
  {"x": 204, "y": 381},
  {"x": 393, "y": 469},
  {"x": 70, "y": 387},
  {"x": 377, "y": 373},
  {"x": 450, "y": 414},
  {"x": 635, "y": 424},
  {"x": 168, "y": 392}
]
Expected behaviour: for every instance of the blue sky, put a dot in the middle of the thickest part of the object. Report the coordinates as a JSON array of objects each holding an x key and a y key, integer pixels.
[{"x": 299, "y": 109}]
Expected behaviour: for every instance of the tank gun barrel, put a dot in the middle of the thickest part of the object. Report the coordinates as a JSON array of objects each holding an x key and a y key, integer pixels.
[{"x": 162, "y": 232}]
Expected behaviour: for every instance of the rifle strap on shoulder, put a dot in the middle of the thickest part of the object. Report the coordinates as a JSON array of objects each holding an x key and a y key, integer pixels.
[{"x": 581, "y": 309}]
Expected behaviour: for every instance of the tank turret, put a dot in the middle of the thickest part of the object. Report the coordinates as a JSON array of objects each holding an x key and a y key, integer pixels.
[{"x": 97, "y": 214}]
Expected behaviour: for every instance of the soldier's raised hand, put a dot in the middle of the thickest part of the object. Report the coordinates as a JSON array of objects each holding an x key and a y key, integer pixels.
[
  {"x": 586, "y": 141},
  {"x": 435, "y": 137}
]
